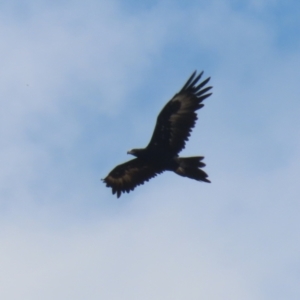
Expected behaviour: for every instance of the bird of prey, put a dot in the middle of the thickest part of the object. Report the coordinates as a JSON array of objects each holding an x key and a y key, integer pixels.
[{"x": 173, "y": 127}]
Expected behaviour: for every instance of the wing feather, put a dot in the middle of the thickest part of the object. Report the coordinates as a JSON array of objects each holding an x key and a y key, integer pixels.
[
  {"x": 178, "y": 117},
  {"x": 125, "y": 177}
]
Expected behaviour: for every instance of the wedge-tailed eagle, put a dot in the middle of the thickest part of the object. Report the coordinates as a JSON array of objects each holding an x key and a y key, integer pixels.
[{"x": 173, "y": 127}]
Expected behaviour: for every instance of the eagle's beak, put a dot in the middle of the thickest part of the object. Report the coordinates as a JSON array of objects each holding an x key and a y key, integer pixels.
[{"x": 129, "y": 152}]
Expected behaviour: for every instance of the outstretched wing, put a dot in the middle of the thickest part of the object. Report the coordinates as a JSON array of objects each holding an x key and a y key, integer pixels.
[
  {"x": 125, "y": 177},
  {"x": 178, "y": 117}
]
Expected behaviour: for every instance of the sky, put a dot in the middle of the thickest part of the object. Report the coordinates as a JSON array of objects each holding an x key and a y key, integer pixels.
[{"x": 81, "y": 83}]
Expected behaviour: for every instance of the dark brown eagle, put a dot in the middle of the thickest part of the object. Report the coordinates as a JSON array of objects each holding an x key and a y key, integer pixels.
[{"x": 173, "y": 127}]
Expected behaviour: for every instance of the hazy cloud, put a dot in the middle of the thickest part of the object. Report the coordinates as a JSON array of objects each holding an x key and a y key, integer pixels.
[{"x": 80, "y": 85}]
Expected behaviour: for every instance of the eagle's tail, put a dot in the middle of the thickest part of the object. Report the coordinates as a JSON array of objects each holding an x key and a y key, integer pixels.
[{"x": 191, "y": 167}]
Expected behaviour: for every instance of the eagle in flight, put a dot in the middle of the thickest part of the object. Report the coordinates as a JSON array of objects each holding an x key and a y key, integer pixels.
[{"x": 173, "y": 127}]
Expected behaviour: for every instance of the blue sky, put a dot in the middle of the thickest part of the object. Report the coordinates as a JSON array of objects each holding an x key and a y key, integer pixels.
[{"x": 81, "y": 83}]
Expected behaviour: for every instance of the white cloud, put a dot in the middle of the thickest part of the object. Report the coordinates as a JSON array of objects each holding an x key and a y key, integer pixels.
[
  {"x": 69, "y": 70},
  {"x": 145, "y": 254}
]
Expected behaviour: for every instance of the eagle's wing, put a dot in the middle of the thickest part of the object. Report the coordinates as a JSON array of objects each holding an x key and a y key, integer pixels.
[
  {"x": 176, "y": 120},
  {"x": 125, "y": 177}
]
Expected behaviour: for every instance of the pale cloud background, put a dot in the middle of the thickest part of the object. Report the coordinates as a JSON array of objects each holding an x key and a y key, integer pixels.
[{"x": 81, "y": 83}]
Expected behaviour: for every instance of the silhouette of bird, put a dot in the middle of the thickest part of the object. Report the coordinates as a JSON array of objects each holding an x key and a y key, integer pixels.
[{"x": 172, "y": 130}]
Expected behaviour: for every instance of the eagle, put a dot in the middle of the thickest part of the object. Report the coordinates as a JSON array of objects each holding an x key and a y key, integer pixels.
[{"x": 172, "y": 130}]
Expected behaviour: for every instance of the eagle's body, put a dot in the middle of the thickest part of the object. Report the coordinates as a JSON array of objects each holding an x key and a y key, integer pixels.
[{"x": 172, "y": 130}]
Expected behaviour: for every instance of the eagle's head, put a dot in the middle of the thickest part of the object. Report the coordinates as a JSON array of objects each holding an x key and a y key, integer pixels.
[{"x": 135, "y": 152}]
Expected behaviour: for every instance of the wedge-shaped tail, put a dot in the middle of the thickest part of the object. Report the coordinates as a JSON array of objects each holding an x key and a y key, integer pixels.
[{"x": 191, "y": 167}]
